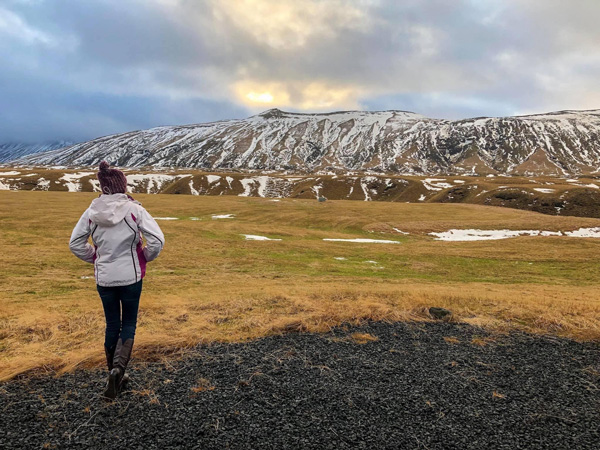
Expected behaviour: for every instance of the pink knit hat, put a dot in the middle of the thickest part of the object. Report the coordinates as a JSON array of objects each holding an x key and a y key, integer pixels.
[{"x": 112, "y": 181}]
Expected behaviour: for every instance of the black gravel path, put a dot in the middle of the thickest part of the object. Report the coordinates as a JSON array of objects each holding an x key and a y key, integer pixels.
[{"x": 411, "y": 388}]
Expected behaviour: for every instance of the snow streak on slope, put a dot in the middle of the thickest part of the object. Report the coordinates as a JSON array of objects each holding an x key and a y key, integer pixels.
[
  {"x": 561, "y": 143},
  {"x": 12, "y": 151}
]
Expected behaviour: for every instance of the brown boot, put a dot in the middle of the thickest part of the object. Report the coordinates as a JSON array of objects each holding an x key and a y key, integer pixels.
[
  {"x": 124, "y": 381},
  {"x": 110, "y": 355},
  {"x": 117, "y": 375},
  {"x": 125, "y": 353}
]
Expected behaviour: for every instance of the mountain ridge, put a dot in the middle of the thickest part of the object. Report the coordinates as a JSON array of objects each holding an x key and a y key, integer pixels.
[
  {"x": 394, "y": 141},
  {"x": 11, "y": 150}
]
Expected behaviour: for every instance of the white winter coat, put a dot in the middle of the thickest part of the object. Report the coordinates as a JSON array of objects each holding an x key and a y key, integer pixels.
[{"x": 117, "y": 224}]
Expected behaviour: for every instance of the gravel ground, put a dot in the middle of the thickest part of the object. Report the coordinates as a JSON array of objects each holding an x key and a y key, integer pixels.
[{"x": 409, "y": 388}]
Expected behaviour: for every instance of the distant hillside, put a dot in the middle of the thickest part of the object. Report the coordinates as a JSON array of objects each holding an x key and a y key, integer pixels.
[
  {"x": 549, "y": 195},
  {"x": 560, "y": 143},
  {"x": 10, "y": 151}
]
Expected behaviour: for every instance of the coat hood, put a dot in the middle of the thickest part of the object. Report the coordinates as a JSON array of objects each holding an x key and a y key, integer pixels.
[{"x": 108, "y": 210}]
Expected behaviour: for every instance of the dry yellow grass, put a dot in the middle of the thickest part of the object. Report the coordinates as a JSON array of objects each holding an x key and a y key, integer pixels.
[
  {"x": 212, "y": 285},
  {"x": 363, "y": 338}
]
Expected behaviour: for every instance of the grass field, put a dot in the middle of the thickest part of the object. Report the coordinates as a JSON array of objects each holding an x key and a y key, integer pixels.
[{"x": 211, "y": 284}]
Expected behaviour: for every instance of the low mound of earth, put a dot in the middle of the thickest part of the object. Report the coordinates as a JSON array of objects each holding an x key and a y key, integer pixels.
[
  {"x": 379, "y": 385},
  {"x": 547, "y": 195}
]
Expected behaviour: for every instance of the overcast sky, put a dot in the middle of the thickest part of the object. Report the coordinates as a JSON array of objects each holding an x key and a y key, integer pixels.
[{"x": 74, "y": 69}]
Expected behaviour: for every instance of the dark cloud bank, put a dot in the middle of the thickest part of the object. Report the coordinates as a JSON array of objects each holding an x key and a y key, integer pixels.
[{"x": 76, "y": 70}]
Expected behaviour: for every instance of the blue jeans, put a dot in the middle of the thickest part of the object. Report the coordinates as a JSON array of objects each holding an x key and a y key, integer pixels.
[{"x": 112, "y": 299}]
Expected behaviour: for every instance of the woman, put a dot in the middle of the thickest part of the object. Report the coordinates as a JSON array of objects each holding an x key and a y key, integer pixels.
[{"x": 117, "y": 225}]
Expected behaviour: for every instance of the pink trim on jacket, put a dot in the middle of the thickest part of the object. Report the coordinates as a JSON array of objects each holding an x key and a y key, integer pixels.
[
  {"x": 141, "y": 258},
  {"x": 140, "y": 251}
]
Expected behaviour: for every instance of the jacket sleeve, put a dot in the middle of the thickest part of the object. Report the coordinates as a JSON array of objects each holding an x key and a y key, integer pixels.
[
  {"x": 79, "y": 239},
  {"x": 155, "y": 239}
]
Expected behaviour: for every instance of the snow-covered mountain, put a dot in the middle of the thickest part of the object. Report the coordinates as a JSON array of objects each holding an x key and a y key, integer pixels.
[
  {"x": 559, "y": 143},
  {"x": 10, "y": 151}
]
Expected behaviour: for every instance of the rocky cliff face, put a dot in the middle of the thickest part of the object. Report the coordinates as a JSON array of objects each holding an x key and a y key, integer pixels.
[{"x": 560, "y": 143}]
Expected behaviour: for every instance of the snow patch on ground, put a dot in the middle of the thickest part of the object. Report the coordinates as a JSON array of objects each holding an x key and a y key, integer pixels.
[
  {"x": 166, "y": 218},
  {"x": 339, "y": 258},
  {"x": 253, "y": 237},
  {"x": 72, "y": 180},
  {"x": 266, "y": 186},
  {"x": 364, "y": 241},
  {"x": 317, "y": 189},
  {"x": 262, "y": 185},
  {"x": 422, "y": 198},
  {"x": 436, "y": 184},
  {"x": 487, "y": 235},
  {"x": 399, "y": 231},
  {"x": 192, "y": 189},
  {"x": 223, "y": 216},
  {"x": 155, "y": 181},
  {"x": 585, "y": 232},
  {"x": 247, "y": 183},
  {"x": 591, "y": 185},
  {"x": 367, "y": 191},
  {"x": 9, "y": 174},
  {"x": 480, "y": 235},
  {"x": 95, "y": 185},
  {"x": 43, "y": 184},
  {"x": 551, "y": 233},
  {"x": 212, "y": 179},
  {"x": 544, "y": 190}
]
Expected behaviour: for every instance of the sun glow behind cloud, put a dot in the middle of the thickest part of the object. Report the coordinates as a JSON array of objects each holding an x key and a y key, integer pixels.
[
  {"x": 306, "y": 95},
  {"x": 264, "y": 97}
]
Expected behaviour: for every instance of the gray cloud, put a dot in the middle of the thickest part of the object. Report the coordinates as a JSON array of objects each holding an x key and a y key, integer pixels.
[{"x": 77, "y": 70}]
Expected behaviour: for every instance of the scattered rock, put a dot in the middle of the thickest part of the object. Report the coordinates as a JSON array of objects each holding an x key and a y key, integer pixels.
[{"x": 406, "y": 387}]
